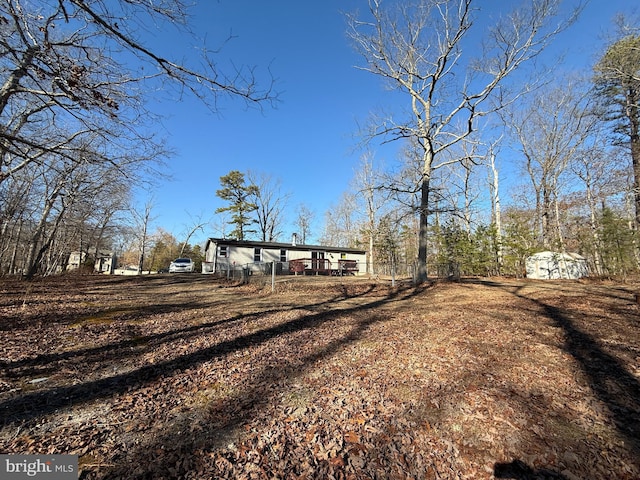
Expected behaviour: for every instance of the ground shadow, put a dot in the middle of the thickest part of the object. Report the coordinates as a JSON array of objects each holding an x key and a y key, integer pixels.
[
  {"x": 30, "y": 405},
  {"x": 607, "y": 377},
  {"x": 138, "y": 344},
  {"x": 518, "y": 470},
  {"x": 223, "y": 420}
]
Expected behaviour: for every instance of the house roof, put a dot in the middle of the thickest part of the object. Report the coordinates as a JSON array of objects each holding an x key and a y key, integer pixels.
[{"x": 279, "y": 245}]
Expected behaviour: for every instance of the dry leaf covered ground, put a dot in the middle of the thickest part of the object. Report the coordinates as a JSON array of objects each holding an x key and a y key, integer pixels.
[{"x": 185, "y": 377}]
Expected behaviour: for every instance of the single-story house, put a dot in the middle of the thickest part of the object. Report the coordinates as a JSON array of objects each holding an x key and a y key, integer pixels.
[
  {"x": 556, "y": 265},
  {"x": 223, "y": 255}
]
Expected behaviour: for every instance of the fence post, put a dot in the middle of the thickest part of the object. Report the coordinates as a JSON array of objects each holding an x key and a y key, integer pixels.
[{"x": 273, "y": 276}]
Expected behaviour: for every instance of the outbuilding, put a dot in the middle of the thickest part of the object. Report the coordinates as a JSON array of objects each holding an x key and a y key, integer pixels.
[{"x": 556, "y": 265}]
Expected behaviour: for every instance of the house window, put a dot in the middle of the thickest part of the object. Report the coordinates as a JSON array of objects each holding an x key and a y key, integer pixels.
[
  {"x": 283, "y": 255},
  {"x": 257, "y": 254},
  {"x": 223, "y": 251}
]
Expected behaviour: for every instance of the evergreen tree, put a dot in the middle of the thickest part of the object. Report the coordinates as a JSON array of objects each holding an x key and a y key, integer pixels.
[
  {"x": 238, "y": 194},
  {"x": 617, "y": 243},
  {"x": 519, "y": 241},
  {"x": 618, "y": 85},
  {"x": 386, "y": 245}
]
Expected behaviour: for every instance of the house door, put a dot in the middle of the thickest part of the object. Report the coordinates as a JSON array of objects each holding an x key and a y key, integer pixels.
[{"x": 317, "y": 260}]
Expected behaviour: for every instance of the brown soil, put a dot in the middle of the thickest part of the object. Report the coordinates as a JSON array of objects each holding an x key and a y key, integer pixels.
[{"x": 186, "y": 377}]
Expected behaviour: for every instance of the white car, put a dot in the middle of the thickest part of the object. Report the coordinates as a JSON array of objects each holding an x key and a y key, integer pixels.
[{"x": 182, "y": 265}]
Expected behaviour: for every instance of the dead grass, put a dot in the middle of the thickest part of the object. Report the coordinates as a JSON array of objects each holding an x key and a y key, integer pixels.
[{"x": 183, "y": 377}]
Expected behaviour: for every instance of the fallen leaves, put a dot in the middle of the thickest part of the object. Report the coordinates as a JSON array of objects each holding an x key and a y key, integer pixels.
[{"x": 145, "y": 378}]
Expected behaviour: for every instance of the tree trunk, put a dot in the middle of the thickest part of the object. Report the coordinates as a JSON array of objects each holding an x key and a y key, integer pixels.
[
  {"x": 36, "y": 257},
  {"x": 633, "y": 114},
  {"x": 467, "y": 166},
  {"x": 547, "y": 226},
  {"x": 11, "y": 84},
  {"x": 634, "y": 122},
  {"x": 558, "y": 226},
  {"x": 143, "y": 244},
  {"x": 497, "y": 215},
  {"x": 423, "y": 234},
  {"x": 595, "y": 234},
  {"x": 14, "y": 254},
  {"x": 33, "y": 255},
  {"x": 371, "y": 260}
]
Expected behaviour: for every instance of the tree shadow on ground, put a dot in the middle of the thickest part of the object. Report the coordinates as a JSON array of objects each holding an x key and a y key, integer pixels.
[
  {"x": 120, "y": 349},
  {"x": 30, "y": 304},
  {"x": 518, "y": 470},
  {"x": 30, "y": 405},
  {"x": 607, "y": 377},
  {"x": 184, "y": 443},
  {"x": 84, "y": 359}
]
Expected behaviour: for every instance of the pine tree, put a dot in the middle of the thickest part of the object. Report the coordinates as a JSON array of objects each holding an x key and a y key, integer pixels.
[
  {"x": 237, "y": 193},
  {"x": 618, "y": 86}
]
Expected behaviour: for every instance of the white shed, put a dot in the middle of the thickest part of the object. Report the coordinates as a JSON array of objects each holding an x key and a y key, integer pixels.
[{"x": 555, "y": 265}]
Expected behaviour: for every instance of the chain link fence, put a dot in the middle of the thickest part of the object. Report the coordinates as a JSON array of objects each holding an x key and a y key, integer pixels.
[
  {"x": 260, "y": 271},
  {"x": 317, "y": 267}
]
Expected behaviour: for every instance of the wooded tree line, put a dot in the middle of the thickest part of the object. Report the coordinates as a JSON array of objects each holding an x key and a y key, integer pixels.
[
  {"x": 75, "y": 132},
  {"x": 571, "y": 188},
  {"x": 569, "y": 146},
  {"x": 466, "y": 112}
]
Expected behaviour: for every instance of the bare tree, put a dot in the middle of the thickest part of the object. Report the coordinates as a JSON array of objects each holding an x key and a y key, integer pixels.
[
  {"x": 270, "y": 204},
  {"x": 496, "y": 208},
  {"x": 342, "y": 224},
  {"x": 60, "y": 188},
  {"x": 549, "y": 132},
  {"x": 82, "y": 63},
  {"x": 89, "y": 223},
  {"x": 461, "y": 184},
  {"x": 74, "y": 74},
  {"x": 418, "y": 49},
  {"x": 303, "y": 222},
  {"x": 220, "y": 223},
  {"x": 62, "y": 200},
  {"x": 198, "y": 226},
  {"x": 15, "y": 206},
  {"x": 142, "y": 220},
  {"x": 367, "y": 185},
  {"x": 588, "y": 170},
  {"x": 605, "y": 174}
]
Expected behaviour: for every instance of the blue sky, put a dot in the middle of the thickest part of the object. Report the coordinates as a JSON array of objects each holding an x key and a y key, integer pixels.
[{"x": 308, "y": 141}]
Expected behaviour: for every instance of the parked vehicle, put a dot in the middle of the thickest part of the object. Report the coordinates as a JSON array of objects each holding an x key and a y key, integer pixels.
[{"x": 182, "y": 265}]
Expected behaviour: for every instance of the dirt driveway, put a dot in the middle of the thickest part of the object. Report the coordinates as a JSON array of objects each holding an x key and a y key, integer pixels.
[{"x": 185, "y": 377}]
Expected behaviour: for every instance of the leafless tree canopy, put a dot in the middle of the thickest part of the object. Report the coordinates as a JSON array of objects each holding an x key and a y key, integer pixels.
[
  {"x": 550, "y": 132},
  {"x": 428, "y": 51},
  {"x": 76, "y": 77},
  {"x": 74, "y": 68}
]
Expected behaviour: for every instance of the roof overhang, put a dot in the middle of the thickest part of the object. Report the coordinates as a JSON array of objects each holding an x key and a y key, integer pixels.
[{"x": 279, "y": 245}]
